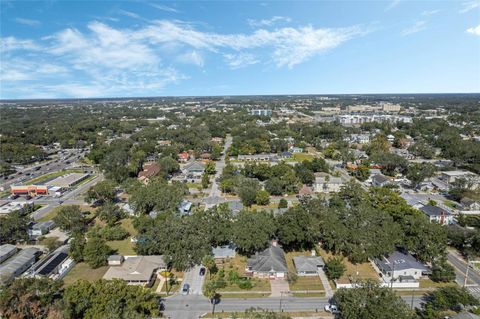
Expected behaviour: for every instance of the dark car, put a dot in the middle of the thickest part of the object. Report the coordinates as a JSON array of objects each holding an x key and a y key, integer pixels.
[{"x": 202, "y": 271}]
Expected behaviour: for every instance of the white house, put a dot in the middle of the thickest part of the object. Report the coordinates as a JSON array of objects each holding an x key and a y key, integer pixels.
[
  {"x": 437, "y": 214},
  {"x": 325, "y": 183},
  {"x": 400, "y": 266}
]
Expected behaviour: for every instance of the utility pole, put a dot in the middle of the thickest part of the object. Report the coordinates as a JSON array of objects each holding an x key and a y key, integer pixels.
[
  {"x": 411, "y": 304},
  {"x": 281, "y": 297}
]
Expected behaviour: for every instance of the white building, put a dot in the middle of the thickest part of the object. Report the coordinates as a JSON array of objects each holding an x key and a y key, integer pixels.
[{"x": 325, "y": 183}]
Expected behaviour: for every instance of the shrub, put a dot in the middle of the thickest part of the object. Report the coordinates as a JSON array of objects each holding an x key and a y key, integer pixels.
[{"x": 244, "y": 284}]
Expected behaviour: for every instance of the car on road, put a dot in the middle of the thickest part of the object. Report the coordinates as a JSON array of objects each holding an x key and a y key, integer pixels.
[
  {"x": 13, "y": 196},
  {"x": 331, "y": 308},
  {"x": 202, "y": 271},
  {"x": 185, "y": 289}
]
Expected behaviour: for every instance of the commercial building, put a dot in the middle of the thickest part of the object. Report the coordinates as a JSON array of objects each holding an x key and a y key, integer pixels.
[
  {"x": 68, "y": 180},
  {"x": 18, "y": 264},
  {"x": 55, "y": 266},
  {"x": 30, "y": 190},
  {"x": 261, "y": 112}
]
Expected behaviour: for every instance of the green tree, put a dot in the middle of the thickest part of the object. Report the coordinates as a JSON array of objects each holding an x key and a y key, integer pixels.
[
  {"x": 103, "y": 191},
  {"x": 283, "y": 203},
  {"x": 418, "y": 172},
  {"x": 252, "y": 231},
  {"x": 31, "y": 298},
  {"x": 450, "y": 297},
  {"x": 295, "y": 229},
  {"x": 442, "y": 271},
  {"x": 362, "y": 173},
  {"x": 247, "y": 191},
  {"x": 77, "y": 246},
  {"x": 335, "y": 268},
  {"x": 70, "y": 218},
  {"x": 109, "y": 299},
  {"x": 371, "y": 301},
  {"x": 262, "y": 197},
  {"x": 14, "y": 228},
  {"x": 209, "y": 263},
  {"x": 110, "y": 213},
  {"x": 96, "y": 252},
  {"x": 168, "y": 165},
  {"x": 205, "y": 180}
]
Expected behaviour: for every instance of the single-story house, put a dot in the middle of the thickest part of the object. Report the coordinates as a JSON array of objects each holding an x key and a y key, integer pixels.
[
  {"x": 470, "y": 204},
  {"x": 285, "y": 155},
  {"x": 194, "y": 168},
  {"x": 325, "y": 183},
  {"x": 269, "y": 263},
  {"x": 450, "y": 177},
  {"x": 40, "y": 228},
  {"x": 295, "y": 150},
  {"x": 400, "y": 266},
  {"x": 224, "y": 252},
  {"x": 137, "y": 270},
  {"x": 256, "y": 157},
  {"x": 149, "y": 170},
  {"x": 380, "y": 180},
  {"x": 183, "y": 157},
  {"x": 437, "y": 214},
  {"x": 308, "y": 265}
]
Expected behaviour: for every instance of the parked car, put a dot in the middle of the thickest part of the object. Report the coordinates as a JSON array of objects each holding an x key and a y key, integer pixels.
[
  {"x": 185, "y": 289},
  {"x": 331, "y": 308},
  {"x": 202, "y": 271}
]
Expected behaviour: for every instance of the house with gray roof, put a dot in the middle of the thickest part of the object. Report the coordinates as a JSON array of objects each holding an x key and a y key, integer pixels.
[
  {"x": 308, "y": 265},
  {"x": 269, "y": 263},
  {"x": 40, "y": 228},
  {"x": 380, "y": 180},
  {"x": 224, "y": 252},
  {"x": 437, "y": 214},
  {"x": 7, "y": 251},
  {"x": 400, "y": 266},
  {"x": 465, "y": 315}
]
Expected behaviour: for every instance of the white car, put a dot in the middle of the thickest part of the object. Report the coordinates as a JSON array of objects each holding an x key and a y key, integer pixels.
[{"x": 331, "y": 308}]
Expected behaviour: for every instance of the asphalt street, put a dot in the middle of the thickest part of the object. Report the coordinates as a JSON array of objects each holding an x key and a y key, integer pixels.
[
  {"x": 214, "y": 197},
  {"x": 460, "y": 265}
]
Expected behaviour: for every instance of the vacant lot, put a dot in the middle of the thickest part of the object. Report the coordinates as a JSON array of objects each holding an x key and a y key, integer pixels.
[
  {"x": 83, "y": 271},
  {"x": 353, "y": 272}
]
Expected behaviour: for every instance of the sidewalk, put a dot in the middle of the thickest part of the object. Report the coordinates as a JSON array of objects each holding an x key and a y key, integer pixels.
[{"x": 325, "y": 283}]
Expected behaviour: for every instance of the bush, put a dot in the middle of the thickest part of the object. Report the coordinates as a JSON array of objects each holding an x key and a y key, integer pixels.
[
  {"x": 282, "y": 203},
  {"x": 334, "y": 268},
  {"x": 245, "y": 284},
  {"x": 233, "y": 276},
  {"x": 442, "y": 272}
]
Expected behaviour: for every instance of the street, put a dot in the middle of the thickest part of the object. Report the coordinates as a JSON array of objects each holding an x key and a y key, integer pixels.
[
  {"x": 473, "y": 283},
  {"x": 214, "y": 197},
  {"x": 190, "y": 307}
]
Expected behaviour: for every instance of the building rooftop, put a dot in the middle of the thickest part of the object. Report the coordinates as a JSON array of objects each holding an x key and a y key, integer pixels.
[
  {"x": 272, "y": 258},
  {"x": 9, "y": 268},
  {"x": 225, "y": 251},
  {"x": 399, "y": 261},
  {"x": 149, "y": 170},
  {"x": 434, "y": 211},
  {"x": 138, "y": 268},
  {"x": 6, "y": 249},
  {"x": 308, "y": 263}
]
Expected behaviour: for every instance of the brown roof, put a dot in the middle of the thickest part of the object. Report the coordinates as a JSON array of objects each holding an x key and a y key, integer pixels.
[
  {"x": 149, "y": 169},
  {"x": 305, "y": 190}
]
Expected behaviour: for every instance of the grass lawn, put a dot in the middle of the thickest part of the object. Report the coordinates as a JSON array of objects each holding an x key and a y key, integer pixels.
[
  {"x": 300, "y": 157},
  {"x": 83, "y": 271},
  {"x": 310, "y": 294},
  {"x": 194, "y": 185},
  {"x": 291, "y": 314},
  {"x": 269, "y": 206},
  {"x": 122, "y": 247},
  {"x": 239, "y": 263},
  {"x": 428, "y": 283},
  {"x": 365, "y": 270},
  {"x": 125, "y": 247},
  {"x": 50, "y": 215},
  {"x": 246, "y": 295}
]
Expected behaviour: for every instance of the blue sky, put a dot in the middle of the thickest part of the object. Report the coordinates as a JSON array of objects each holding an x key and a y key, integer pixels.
[{"x": 58, "y": 49}]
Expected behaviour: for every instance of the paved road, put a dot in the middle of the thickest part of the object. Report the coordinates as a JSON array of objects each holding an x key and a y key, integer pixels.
[
  {"x": 460, "y": 265},
  {"x": 214, "y": 197},
  {"x": 67, "y": 199},
  {"x": 190, "y": 307}
]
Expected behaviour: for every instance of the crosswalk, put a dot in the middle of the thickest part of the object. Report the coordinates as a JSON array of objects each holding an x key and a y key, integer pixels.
[{"x": 474, "y": 291}]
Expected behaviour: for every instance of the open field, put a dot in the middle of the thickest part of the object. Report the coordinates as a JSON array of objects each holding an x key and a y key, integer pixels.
[
  {"x": 300, "y": 157},
  {"x": 84, "y": 271}
]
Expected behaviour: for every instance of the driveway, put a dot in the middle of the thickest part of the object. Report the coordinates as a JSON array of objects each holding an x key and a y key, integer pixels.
[
  {"x": 193, "y": 278},
  {"x": 279, "y": 288}
]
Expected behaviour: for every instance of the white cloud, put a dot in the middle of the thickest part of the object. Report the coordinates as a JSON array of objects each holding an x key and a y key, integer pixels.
[
  {"x": 129, "y": 14},
  {"x": 428, "y": 13},
  {"x": 417, "y": 27},
  {"x": 192, "y": 57},
  {"x": 268, "y": 22},
  {"x": 12, "y": 43},
  {"x": 164, "y": 7},
  {"x": 474, "y": 30},
  {"x": 237, "y": 61},
  {"x": 109, "y": 61},
  {"x": 469, "y": 5},
  {"x": 393, "y": 4},
  {"x": 29, "y": 22}
]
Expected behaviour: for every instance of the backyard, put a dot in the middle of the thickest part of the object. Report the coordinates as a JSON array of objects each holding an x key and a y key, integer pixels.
[
  {"x": 124, "y": 247},
  {"x": 84, "y": 271}
]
